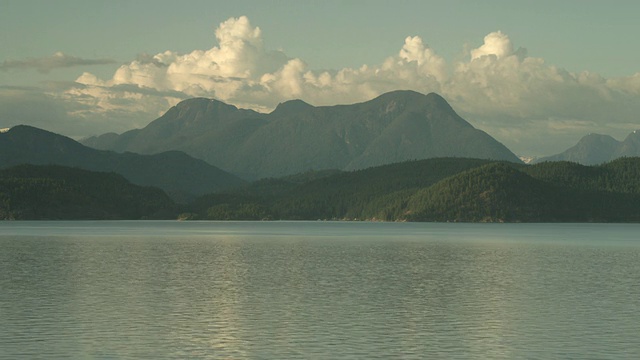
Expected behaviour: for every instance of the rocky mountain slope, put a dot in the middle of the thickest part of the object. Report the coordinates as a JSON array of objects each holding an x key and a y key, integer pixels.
[
  {"x": 596, "y": 149},
  {"x": 297, "y": 137}
]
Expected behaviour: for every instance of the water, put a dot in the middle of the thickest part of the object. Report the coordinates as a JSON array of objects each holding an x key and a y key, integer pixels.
[{"x": 318, "y": 290}]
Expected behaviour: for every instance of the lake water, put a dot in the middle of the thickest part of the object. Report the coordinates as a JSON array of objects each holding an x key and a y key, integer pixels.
[{"x": 318, "y": 290}]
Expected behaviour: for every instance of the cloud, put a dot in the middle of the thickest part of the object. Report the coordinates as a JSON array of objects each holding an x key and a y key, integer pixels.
[
  {"x": 496, "y": 44},
  {"x": 33, "y": 107},
  {"x": 531, "y": 106},
  {"x": 46, "y": 64},
  {"x": 242, "y": 71},
  {"x": 240, "y": 56}
]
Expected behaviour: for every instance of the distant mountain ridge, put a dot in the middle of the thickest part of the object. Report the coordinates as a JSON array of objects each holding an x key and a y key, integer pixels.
[
  {"x": 180, "y": 175},
  {"x": 297, "y": 137},
  {"x": 595, "y": 149}
]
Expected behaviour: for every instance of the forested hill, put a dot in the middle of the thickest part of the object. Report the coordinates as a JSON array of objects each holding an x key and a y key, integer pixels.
[
  {"x": 444, "y": 189},
  {"x": 332, "y": 195},
  {"x": 447, "y": 189},
  {"x": 181, "y": 176},
  {"x": 31, "y": 192}
]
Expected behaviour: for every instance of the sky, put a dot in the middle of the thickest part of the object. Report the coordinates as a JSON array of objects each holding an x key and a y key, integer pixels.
[{"x": 536, "y": 75}]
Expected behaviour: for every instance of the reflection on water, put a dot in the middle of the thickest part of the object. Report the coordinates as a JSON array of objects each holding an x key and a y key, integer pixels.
[{"x": 318, "y": 290}]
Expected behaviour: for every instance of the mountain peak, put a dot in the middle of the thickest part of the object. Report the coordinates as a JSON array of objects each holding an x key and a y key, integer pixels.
[
  {"x": 410, "y": 98},
  {"x": 592, "y": 149},
  {"x": 37, "y": 137},
  {"x": 296, "y": 137},
  {"x": 291, "y": 106},
  {"x": 405, "y": 96},
  {"x": 21, "y": 129},
  {"x": 204, "y": 104},
  {"x": 597, "y": 138},
  {"x": 633, "y": 136},
  {"x": 630, "y": 146}
]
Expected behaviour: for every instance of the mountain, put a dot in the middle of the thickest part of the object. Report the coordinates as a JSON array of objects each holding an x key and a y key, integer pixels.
[
  {"x": 180, "y": 175},
  {"x": 630, "y": 146},
  {"x": 367, "y": 193},
  {"x": 597, "y": 149},
  {"x": 500, "y": 192},
  {"x": 296, "y": 137},
  {"x": 446, "y": 189},
  {"x": 52, "y": 192}
]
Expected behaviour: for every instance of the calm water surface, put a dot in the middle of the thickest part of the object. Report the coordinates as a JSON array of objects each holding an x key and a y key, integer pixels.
[{"x": 318, "y": 290}]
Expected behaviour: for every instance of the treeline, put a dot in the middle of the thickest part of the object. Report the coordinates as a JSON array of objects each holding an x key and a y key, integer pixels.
[
  {"x": 502, "y": 193},
  {"x": 357, "y": 195},
  {"x": 30, "y": 192},
  {"x": 445, "y": 189}
]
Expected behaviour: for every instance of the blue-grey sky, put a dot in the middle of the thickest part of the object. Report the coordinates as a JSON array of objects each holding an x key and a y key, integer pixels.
[{"x": 537, "y": 75}]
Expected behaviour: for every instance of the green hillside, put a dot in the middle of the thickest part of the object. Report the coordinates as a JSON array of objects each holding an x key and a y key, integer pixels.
[
  {"x": 621, "y": 175},
  {"x": 447, "y": 189},
  {"x": 179, "y": 175},
  {"x": 371, "y": 193},
  {"x": 31, "y": 192},
  {"x": 501, "y": 193}
]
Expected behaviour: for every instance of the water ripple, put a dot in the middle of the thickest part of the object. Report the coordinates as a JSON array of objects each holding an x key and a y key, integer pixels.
[{"x": 316, "y": 297}]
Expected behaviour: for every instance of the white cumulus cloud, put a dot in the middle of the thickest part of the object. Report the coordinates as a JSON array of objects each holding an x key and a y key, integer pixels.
[
  {"x": 242, "y": 71},
  {"x": 496, "y": 43},
  {"x": 531, "y": 106}
]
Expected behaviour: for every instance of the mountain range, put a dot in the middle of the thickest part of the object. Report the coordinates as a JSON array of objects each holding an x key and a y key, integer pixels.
[
  {"x": 297, "y": 137},
  {"x": 596, "y": 149},
  {"x": 178, "y": 174}
]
